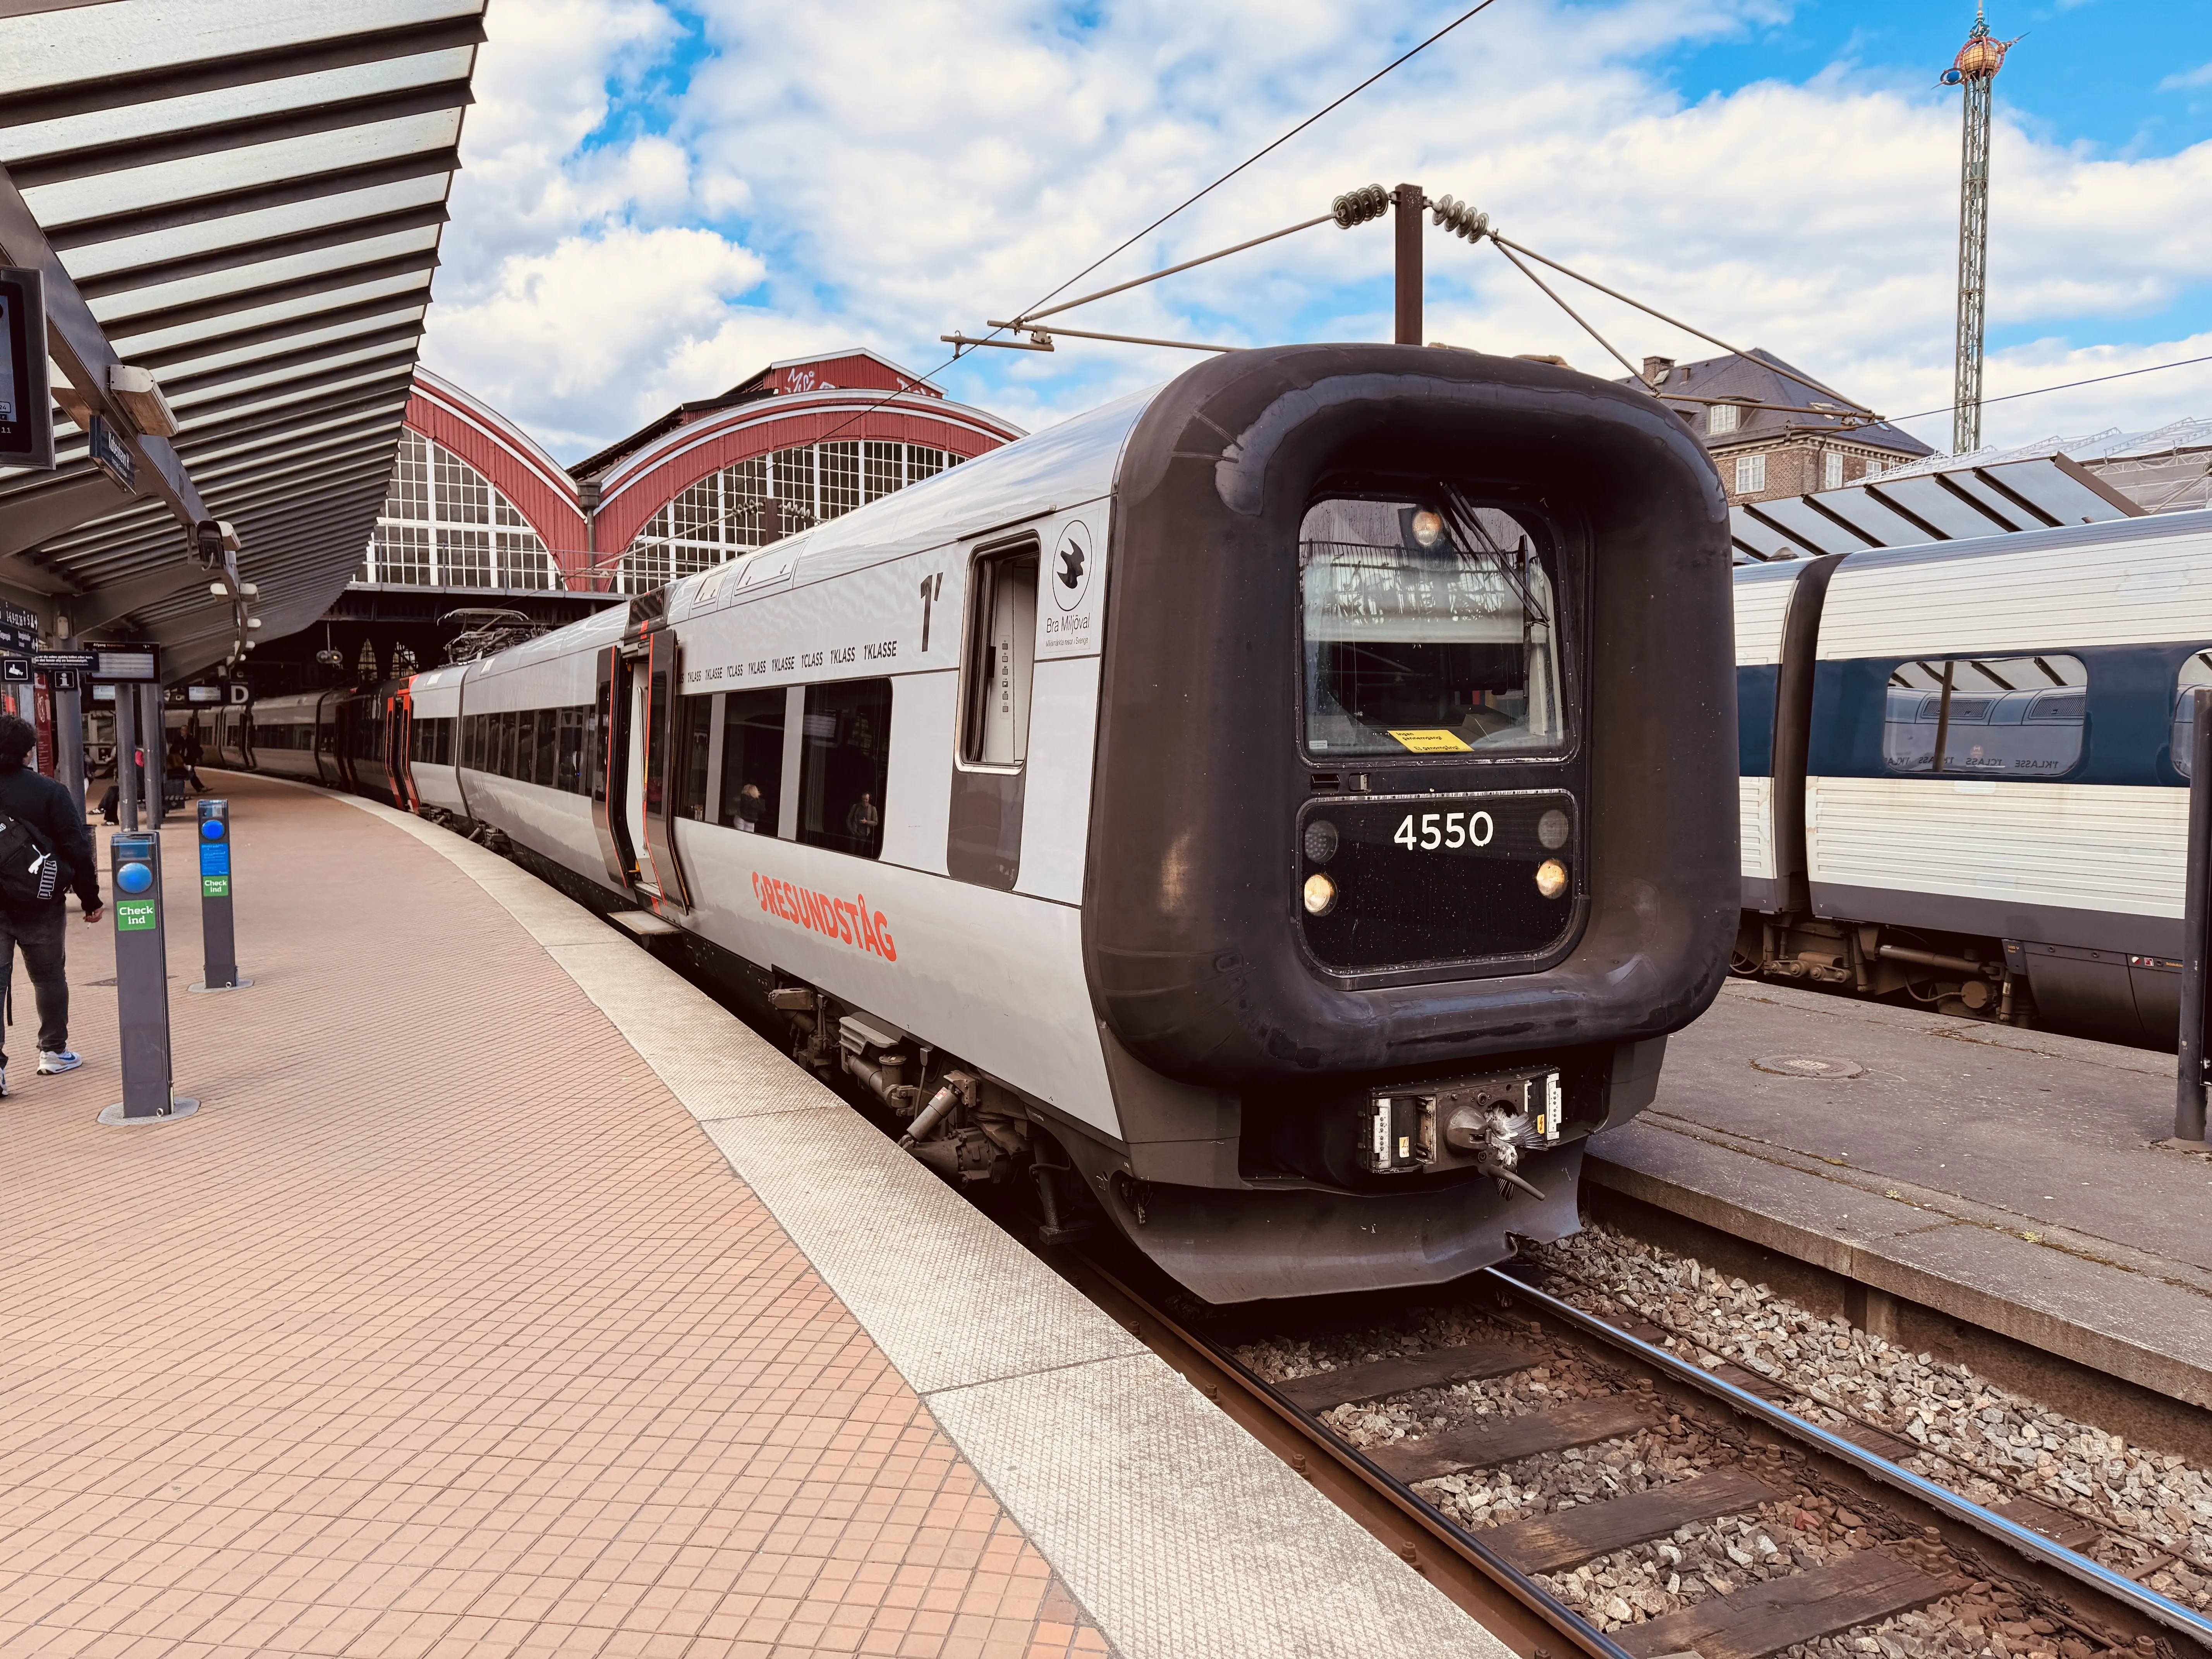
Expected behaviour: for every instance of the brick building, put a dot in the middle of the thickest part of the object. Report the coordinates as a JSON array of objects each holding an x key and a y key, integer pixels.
[{"x": 1773, "y": 436}]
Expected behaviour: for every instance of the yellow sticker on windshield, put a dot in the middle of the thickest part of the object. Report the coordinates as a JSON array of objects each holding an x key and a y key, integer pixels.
[{"x": 1433, "y": 740}]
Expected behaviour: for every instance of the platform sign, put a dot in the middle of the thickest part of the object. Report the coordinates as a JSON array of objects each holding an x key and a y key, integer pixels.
[
  {"x": 112, "y": 455},
  {"x": 141, "y": 976},
  {"x": 217, "y": 925},
  {"x": 27, "y": 405}
]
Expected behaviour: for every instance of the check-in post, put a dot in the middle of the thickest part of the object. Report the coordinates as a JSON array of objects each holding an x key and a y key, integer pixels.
[
  {"x": 216, "y": 928},
  {"x": 142, "y": 983}
]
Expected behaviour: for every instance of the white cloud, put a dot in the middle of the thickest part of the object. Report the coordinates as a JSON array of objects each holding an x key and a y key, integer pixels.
[{"x": 878, "y": 174}]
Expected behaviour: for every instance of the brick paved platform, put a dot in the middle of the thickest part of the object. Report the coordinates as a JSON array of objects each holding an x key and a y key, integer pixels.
[{"x": 441, "y": 1328}]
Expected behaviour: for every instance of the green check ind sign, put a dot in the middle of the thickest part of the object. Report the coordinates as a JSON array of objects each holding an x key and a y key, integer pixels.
[
  {"x": 215, "y": 886},
  {"x": 133, "y": 913}
]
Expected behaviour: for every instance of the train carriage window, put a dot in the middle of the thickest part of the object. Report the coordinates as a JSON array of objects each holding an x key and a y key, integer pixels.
[
  {"x": 2196, "y": 674},
  {"x": 1429, "y": 629},
  {"x": 753, "y": 761},
  {"x": 1001, "y": 659},
  {"x": 569, "y": 767},
  {"x": 657, "y": 713},
  {"x": 505, "y": 766},
  {"x": 548, "y": 721},
  {"x": 843, "y": 766},
  {"x": 695, "y": 731},
  {"x": 526, "y": 745},
  {"x": 1986, "y": 717}
]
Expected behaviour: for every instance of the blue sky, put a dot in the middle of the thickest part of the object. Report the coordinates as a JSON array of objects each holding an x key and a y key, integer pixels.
[{"x": 747, "y": 180}]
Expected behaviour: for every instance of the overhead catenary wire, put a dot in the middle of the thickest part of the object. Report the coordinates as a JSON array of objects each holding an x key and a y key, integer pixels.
[
  {"x": 1569, "y": 309},
  {"x": 1029, "y": 319}
]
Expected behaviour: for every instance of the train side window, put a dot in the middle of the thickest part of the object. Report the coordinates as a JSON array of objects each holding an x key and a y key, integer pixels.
[
  {"x": 1001, "y": 658},
  {"x": 753, "y": 761},
  {"x": 694, "y": 731},
  {"x": 1986, "y": 717},
  {"x": 2196, "y": 674},
  {"x": 843, "y": 763},
  {"x": 505, "y": 766},
  {"x": 569, "y": 767},
  {"x": 549, "y": 727}
]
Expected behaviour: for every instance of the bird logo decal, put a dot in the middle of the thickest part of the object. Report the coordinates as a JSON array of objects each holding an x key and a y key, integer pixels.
[
  {"x": 1071, "y": 566},
  {"x": 1071, "y": 569}
]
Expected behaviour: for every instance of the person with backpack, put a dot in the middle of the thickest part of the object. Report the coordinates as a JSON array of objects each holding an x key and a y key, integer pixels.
[{"x": 45, "y": 851}]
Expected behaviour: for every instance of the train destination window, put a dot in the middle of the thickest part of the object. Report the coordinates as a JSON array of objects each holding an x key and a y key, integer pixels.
[
  {"x": 753, "y": 761},
  {"x": 2196, "y": 673},
  {"x": 1001, "y": 659},
  {"x": 1986, "y": 717},
  {"x": 1428, "y": 630},
  {"x": 843, "y": 763}
]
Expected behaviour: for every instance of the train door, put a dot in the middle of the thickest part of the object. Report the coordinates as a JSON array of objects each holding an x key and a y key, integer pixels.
[
  {"x": 327, "y": 755},
  {"x": 609, "y": 740},
  {"x": 399, "y": 746},
  {"x": 661, "y": 704}
]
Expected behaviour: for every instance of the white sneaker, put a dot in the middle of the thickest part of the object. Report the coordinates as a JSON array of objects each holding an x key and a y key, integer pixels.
[{"x": 49, "y": 1064}]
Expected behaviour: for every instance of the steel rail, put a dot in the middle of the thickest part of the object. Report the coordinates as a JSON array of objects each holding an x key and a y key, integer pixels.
[{"x": 2022, "y": 1539}]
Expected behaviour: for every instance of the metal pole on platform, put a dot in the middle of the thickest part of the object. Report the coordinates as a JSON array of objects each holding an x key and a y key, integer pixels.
[
  {"x": 126, "y": 744},
  {"x": 142, "y": 983},
  {"x": 2190, "y": 1076},
  {"x": 155, "y": 742},
  {"x": 218, "y": 931},
  {"x": 69, "y": 733},
  {"x": 1409, "y": 201}
]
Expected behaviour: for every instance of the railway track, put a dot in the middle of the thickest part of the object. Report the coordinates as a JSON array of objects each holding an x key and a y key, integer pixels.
[{"x": 1862, "y": 1540}]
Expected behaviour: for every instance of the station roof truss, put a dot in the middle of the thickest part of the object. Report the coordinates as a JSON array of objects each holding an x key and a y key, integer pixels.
[
  {"x": 1934, "y": 503},
  {"x": 244, "y": 197}
]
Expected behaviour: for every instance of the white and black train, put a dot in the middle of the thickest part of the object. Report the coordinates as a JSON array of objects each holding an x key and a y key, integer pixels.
[
  {"x": 1288, "y": 810},
  {"x": 1964, "y": 771}
]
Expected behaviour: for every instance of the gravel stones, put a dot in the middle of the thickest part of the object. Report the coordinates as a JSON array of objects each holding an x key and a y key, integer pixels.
[{"x": 2159, "y": 1507}]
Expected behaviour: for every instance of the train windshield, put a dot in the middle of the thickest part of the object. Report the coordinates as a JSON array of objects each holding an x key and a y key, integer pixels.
[{"x": 1429, "y": 629}]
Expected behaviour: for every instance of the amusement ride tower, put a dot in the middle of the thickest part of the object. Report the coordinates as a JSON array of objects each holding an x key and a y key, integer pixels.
[{"x": 1976, "y": 68}]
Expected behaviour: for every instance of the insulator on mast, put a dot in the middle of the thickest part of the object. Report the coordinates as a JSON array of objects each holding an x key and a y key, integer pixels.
[{"x": 1357, "y": 207}]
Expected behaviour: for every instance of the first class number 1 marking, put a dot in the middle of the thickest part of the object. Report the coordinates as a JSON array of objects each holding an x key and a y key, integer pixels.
[{"x": 1444, "y": 830}]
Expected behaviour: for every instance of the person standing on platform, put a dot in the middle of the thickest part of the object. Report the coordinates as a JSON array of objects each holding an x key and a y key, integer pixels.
[{"x": 52, "y": 829}]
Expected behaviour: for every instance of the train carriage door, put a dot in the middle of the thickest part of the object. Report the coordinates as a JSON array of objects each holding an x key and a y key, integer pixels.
[
  {"x": 608, "y": 742},
  {"x": 983, "y": 843},
  {"x": 327, "y": 736},
  {"x": 663, "y": 705},
  {"x": 399, "y": 749}
]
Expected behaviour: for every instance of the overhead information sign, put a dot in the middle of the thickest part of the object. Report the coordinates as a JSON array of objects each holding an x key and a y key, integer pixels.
[
  {"x": 27, "y": 406},
  {"x": 126, "y": 662}
]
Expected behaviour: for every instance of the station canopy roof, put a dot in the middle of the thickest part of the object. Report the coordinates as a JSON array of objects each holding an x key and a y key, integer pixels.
[{"x": 244, "y": 197}]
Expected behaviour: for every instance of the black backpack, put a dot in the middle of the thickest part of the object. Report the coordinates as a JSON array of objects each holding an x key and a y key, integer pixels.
[{"x": 29, "y": 872}]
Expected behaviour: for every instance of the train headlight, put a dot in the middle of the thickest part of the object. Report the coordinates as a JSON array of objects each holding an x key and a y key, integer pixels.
[
  {"x": 1320, "y": 895},
  {"x": 1551, "y": 877},
  {"x": 1321, "y": 841},
  {"x": 1428, "y": 528}
]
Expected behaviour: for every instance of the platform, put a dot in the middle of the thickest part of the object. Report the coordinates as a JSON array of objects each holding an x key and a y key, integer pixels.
[
  {"x": 507, "y": 1296},
  {"x": 2009, "y": 1179}
]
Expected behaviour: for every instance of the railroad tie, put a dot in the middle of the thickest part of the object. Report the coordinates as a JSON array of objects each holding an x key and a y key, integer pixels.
[
  {"x": 1550, "y": 1543},
  {"x": 1500, "y": 1440},
  {"x": 1765, "y": 1618},
  {"x": 1377, "y": 1379}
]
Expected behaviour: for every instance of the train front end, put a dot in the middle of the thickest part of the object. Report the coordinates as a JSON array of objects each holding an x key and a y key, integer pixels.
[{"x": 1414, "y": 820}]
